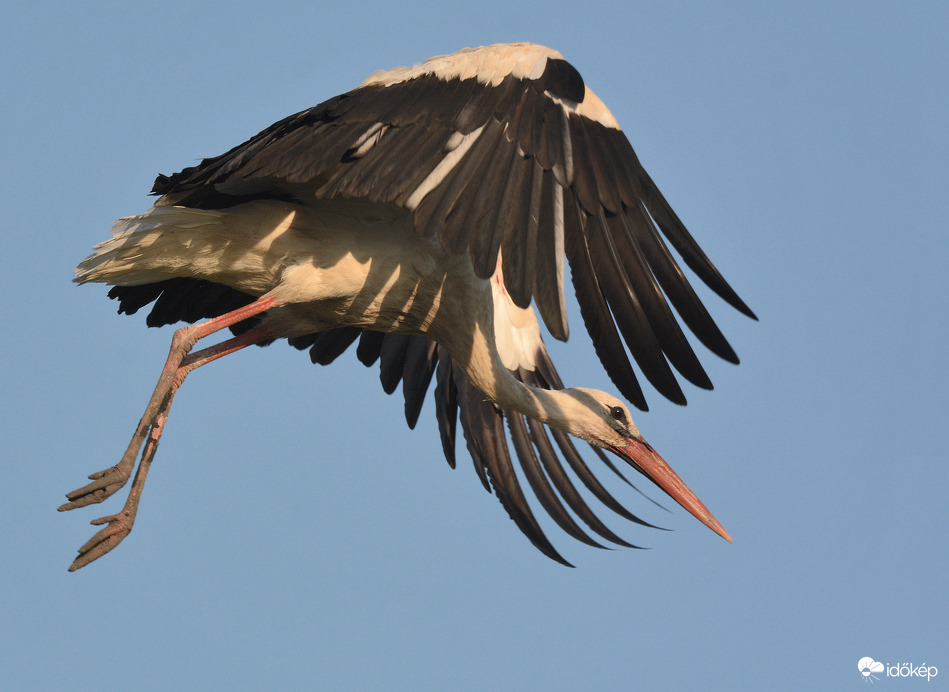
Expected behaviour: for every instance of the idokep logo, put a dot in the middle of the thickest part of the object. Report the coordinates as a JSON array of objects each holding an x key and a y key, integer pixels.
[
  {"x": 871, "y": 670},
  {"x": 868, "y": 667}
]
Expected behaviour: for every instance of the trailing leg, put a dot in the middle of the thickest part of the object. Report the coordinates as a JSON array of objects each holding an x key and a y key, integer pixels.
[{"x": 149, "y": 430}]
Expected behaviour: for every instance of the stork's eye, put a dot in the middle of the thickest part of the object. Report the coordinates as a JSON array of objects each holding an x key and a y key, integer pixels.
[{"x": 618, "y": 414}]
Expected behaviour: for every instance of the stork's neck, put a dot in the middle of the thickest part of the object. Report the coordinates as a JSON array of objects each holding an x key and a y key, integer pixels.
[
  {"x": 485, "y": 369},
  {"x": 467, "y": 330}
]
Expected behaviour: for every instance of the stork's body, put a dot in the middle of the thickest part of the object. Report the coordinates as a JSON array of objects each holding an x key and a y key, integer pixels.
[
  {"x": 361, "y": 215},
  {"x": 345, "y": 264}
]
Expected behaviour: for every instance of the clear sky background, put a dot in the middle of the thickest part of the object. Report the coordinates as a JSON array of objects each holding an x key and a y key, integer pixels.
[{"x": 296, "y": 535}]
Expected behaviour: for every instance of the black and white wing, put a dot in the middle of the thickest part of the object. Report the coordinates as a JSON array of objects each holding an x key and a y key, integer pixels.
[
  {"x": 541, "y": 452},
  {"x": 501, "y": 149}
]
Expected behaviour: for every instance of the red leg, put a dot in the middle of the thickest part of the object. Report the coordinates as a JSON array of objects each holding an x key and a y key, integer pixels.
[{"x": 152, "y": 424}]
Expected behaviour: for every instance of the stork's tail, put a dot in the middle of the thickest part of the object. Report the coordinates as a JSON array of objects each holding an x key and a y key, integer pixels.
[{"x": 142, "y": 248}]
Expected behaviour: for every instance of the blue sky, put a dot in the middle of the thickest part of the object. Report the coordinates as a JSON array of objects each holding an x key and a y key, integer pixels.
[{"x": 296, "y": 535}]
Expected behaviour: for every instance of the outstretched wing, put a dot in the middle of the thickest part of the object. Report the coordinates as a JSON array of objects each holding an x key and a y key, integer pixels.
[
  {"x": 501, "y": 149},
  {"x": 414, "y": 361}
]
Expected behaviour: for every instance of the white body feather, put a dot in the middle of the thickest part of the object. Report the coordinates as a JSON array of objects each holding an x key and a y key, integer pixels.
[{"x": 342, "y": 264}]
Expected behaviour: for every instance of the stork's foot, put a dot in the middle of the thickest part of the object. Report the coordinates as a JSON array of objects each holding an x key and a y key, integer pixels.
[
  {"x": 119, "y": 526},
  {"x": 104, "y": 484}
]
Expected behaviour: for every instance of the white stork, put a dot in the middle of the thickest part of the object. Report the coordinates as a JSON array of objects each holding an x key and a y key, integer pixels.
[{"x": 422, "y": 213}]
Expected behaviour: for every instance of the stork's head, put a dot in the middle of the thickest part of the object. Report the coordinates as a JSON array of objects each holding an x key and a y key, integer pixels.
[{"x": 603, "y": 420}]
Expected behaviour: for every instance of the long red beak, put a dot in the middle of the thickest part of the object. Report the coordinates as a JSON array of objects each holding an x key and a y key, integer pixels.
[{"x": 642, "y": 456}]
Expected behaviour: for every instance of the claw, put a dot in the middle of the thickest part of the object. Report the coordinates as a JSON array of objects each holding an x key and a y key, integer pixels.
[
  {"x": 104, "y": 484},
  {"x": 119, "y": 526}
]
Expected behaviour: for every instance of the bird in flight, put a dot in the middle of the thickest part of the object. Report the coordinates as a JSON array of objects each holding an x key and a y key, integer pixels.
[{"x": 425, "y": 214}]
